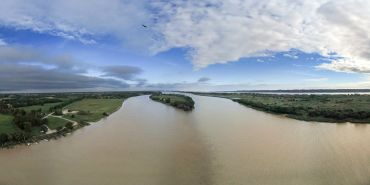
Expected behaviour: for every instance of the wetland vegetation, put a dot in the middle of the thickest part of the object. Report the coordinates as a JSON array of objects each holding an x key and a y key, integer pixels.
[{"x": 323, "y": 108}]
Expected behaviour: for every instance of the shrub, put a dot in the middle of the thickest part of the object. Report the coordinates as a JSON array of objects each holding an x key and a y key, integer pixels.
[{"x": 69, "y": 125}]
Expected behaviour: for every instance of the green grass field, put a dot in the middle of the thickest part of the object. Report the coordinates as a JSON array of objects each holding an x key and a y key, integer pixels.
[
  {"x": 54, "y": 123},
  {"x": 44, "y": 108},
  {"x": 6, "y": 125},
  {"x": 93, "y": 108}
]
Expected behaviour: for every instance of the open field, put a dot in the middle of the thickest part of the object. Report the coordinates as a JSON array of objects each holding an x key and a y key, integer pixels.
[
  {"x": 6, "y": 125},
  {"x": 175, "y": 100},
  {"x": 54, "y": 123},
  {"x": 44, "y": 108},
  {"x": 323, "y": 108},
  {"x": 93, "y": 109}
]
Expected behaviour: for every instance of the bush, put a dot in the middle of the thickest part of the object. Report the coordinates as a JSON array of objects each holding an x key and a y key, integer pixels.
[
  {"x": 44, "y": 128},
  {"x": 58, "y": 112},
  {"x": 167, "y": 100},
  {"x": 60, "y": 128},
  {"x": 69, "y": 125},
  {"x": 3, "y": 138}
]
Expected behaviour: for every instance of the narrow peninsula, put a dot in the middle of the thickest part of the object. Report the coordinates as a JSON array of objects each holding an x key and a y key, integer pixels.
[
  {"x": 309, "y": 107},
  {"x": 176, "y": 100}
]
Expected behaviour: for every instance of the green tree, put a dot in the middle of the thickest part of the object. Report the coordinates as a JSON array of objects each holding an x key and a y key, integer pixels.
[
  {"x": 3, "y": 138},
  {"x": 69, "y": 125},
  {"x": 44, "y": 128}
]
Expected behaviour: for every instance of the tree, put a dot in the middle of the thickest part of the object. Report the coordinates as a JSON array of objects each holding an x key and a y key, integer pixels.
[
  {"x": 3, "y": 138},
  {"x": 44, "y": 128},
  {"x": 69, "y": 125},
  {"x": 58, "y": 112},
  {"x": 60, "y": 128},
  {"x": 27, "y": 126},
  {"x": 167, "y": 100}
]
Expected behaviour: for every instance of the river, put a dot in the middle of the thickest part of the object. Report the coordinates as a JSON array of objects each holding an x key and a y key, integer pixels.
[{"x": 220, "y": 142}]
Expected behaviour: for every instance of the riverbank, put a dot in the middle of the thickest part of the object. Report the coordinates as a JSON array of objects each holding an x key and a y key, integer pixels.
[
  {"x": 74, "y": 116},
  {"x": 27, "y": 125},
  {"x": 176, "y": 100},
  {"x": 44, "y": 137},
  {"x": 320, "y": 108},
  {"x": 91, "y": 110}
]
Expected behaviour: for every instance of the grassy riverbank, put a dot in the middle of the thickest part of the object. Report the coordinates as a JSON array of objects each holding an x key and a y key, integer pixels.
[
  {"x": 176, "y": 100},
  {"x": 92, "y": 110},
  {"x": 321, "y": 108},
  {"x": 53, "y": 114},
  {"x": 6, "y": 125}
]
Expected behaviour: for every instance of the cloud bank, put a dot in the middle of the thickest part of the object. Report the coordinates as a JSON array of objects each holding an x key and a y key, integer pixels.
[
  {"x": 214, "y": 31},
  {"x": 203, "y": 79},
  {"x": 24, "y": 68},
  {"x": 122, "y": 72},
  {"x": 224, "y": 31}
]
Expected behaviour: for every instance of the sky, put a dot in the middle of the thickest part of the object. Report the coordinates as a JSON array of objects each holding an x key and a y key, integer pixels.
[{"x": 189, "y": 45}]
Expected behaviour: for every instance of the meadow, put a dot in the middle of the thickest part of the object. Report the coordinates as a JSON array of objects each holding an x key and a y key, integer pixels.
[{"x": 92, "y": 110}]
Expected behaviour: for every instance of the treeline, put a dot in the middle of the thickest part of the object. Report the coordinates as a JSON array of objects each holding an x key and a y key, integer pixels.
[
  {"x": 177, "y": 100},
  {"x": 115, "y": 95},
  {"x": 346, "y": 114},
  {"x": 27, "y": 120},
  {"x": 25, "y": 101},
  {"x": 18, "y": 137},
  {"x": 59, "y": 107},
  {"x": 5, "y": 108},
  {"x": 331, "y": 114},
  {"x": 270, "y": 108}
]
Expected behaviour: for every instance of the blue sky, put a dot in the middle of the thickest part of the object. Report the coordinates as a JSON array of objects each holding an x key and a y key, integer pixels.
[{"x": 184, "y": 45}]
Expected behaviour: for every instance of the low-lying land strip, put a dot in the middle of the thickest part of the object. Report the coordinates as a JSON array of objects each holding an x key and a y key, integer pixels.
[
  {"x": 27, "y": 118},
  {"x": 322, "y": 108},
  {"x": 176, "y": 100},
  {"x": 92, "y": 110}
]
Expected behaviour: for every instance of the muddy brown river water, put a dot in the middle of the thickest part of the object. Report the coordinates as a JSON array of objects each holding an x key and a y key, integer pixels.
[{"x": 220, "y": 142}]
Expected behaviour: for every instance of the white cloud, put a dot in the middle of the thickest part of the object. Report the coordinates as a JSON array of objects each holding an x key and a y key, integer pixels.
[
  {"x": 80, "y": 20},
  {"x": 316, "y": 79},
  {"x": 223, "y": 31},
  {"x": 215, "y": 31},
  {"x": 289, "y": 55},
  {"x": 2, "y": 42},
  {"x": 347, "y": 65}
]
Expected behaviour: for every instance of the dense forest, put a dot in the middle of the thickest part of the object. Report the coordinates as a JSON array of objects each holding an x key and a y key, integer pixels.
[{"x": 176, "y": 100}]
